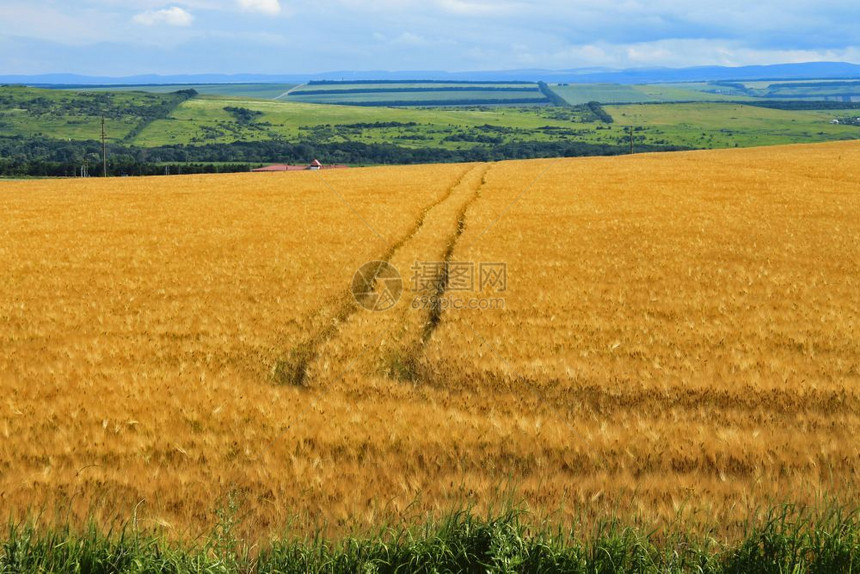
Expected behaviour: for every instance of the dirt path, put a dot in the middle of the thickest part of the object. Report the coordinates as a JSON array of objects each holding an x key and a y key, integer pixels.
[{"x": 290, "y": 91}]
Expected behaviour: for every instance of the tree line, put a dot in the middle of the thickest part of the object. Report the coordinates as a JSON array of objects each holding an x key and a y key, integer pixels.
[
  {"x": 465, "y": 82},
  {"x": 412, "y": 90},
  {"x": 44, "y": 157},
  {"x": 451, "y": 102}
]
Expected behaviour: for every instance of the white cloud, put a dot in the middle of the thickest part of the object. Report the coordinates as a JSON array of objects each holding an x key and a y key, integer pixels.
[
  {"x": 263, "y": 6},
  {"x": 480, "y": 8},
  {"x": 457, "y": 35},
  {"x": 681, "y": 53},
  {"x": 410, "y": 39},
  {"x": 174, "y": 16}
]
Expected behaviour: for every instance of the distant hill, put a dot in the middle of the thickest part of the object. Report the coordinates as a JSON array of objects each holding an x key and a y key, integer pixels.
[{"x": 808, "y": 70}]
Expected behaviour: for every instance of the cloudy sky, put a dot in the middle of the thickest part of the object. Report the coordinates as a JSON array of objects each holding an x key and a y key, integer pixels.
[{"x": 128, "y": 37}]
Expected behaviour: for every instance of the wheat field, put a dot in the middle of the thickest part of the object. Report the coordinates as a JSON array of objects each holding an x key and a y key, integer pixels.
[{"x": 678, "y": 340}]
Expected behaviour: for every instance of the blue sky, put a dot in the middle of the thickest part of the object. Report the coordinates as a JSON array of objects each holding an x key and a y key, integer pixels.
[{"x": 128, "y": 37}]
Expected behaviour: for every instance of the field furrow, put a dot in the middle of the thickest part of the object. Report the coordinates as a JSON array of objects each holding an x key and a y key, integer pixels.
[
  {"x": 388, "y": 343},
  {"x": 293, "y": 367}
]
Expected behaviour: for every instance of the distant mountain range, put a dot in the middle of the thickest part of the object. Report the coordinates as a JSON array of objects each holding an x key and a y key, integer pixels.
[{"x": 809, "y": 70}]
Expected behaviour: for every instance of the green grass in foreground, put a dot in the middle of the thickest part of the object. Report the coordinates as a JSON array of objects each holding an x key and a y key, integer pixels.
[{"x": 783, "y": 540}]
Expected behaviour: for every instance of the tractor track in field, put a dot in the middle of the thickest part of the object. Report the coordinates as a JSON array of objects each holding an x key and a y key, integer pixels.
[
  {"x": 407, "y": 364},
  {"x": 442, "y": 283},
  {"x": 292, "y": 369}
]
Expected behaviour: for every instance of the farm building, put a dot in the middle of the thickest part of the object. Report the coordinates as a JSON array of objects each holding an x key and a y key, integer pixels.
[{"x": 313, "y": 166}]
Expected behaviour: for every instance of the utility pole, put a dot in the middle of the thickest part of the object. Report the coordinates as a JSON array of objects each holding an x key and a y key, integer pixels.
[
  {"x": 104, "y": 150},
  {"x": 630, "y": 129}
]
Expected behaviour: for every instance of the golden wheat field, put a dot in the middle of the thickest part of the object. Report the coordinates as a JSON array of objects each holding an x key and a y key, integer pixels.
[{"x": 673, "y": 337}]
